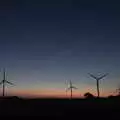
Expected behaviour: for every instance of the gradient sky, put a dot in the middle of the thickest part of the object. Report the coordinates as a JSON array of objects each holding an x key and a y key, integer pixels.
[{"x": 43, "y": 44}]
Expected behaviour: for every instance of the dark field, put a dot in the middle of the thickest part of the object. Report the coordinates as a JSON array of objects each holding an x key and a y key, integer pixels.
[{"x": 103, "y": 107}]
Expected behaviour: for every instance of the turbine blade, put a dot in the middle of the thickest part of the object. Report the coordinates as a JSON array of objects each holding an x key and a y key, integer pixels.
[
  {"x": 4, "y": 74},
  {"x": 70, "y": 83},
  {"x": 66, "y": 82},
  {"x": 103, "y": 76},
  {"x": 9, "y": 82},
  {"x": 1, "y": 82},
  {"x": 67, "y": 89},
  {"x": 93, "y": 76},
  {"x": 74, "y": 87}
]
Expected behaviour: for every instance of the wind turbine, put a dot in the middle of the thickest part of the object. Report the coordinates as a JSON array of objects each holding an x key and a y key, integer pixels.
[
  {"x": 97, "y": 81},
  {"x": 118, "y": 90},
  {"x": 4, "y": 81},
  {"x": 70, "y": 87}
]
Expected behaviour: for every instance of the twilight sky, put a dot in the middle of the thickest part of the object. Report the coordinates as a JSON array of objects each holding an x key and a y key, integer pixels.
[{"x": 43, "y": 44}]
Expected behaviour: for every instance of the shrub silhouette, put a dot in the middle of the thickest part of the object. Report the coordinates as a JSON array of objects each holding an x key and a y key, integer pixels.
[
  {"x": 88, "y": 95},
  {"x": 111, "y": 96}
]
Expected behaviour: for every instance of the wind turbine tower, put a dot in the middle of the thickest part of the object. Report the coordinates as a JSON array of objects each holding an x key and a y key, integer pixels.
[
  {"x": 97, "y": 82},
  {"x": 3, "y": 82},
  {"x": 71, "y": 87}
]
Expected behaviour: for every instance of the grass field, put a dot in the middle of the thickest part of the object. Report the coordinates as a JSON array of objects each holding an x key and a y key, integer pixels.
[{"x": 60, "y": 107}]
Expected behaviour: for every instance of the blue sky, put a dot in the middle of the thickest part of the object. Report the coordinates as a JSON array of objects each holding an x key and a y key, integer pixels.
[{"x": 42, "y": 44}]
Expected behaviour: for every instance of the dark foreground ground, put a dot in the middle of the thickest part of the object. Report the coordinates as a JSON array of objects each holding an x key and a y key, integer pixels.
[{"x": 109, "y": 108}]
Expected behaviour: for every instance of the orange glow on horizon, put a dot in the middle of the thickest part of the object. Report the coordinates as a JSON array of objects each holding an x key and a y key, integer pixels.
[{"x": 52, "y": 93}]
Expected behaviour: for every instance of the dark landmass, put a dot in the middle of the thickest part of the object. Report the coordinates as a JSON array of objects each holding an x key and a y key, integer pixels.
[{"x": 102, "y": 107}]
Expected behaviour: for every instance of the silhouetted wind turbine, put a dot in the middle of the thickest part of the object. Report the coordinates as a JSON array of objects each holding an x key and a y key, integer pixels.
[
  {"x": 71, "y": 87},
  {"x": 4, "y": 81},
  {"x": 118, "y": 90},
  {"x": 97, "y": 81}
]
